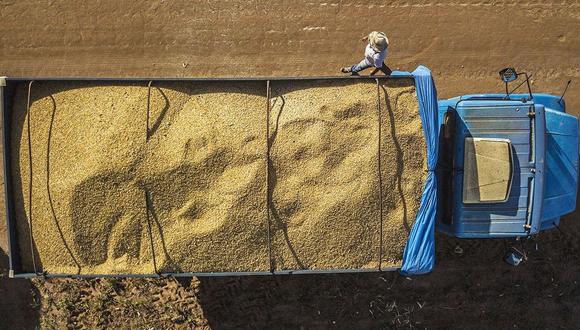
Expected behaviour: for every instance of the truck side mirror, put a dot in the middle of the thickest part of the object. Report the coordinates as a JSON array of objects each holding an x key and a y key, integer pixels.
[{"x": 508, "y": 75}]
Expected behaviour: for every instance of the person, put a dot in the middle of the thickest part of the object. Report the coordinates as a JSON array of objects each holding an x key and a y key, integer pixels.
[{"x": 375, "y": 55}]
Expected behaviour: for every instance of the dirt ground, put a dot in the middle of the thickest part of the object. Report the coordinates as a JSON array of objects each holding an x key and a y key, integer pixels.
[{"x": 464, "y": 42}]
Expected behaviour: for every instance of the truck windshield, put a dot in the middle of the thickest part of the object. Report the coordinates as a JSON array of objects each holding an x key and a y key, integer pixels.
[{"x": 487, "y": 170}]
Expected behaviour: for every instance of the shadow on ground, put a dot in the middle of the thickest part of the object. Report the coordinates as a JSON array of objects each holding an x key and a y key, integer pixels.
[
  {"x": 470, "y": 287},
  {"x": 19, "y": 301}
]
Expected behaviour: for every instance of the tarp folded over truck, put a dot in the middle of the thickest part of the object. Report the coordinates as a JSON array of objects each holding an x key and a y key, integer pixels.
[{"x": 419, "y": 256}]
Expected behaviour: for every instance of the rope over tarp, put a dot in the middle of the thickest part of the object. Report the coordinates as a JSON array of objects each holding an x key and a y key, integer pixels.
[{"x": 419, "y": 255}]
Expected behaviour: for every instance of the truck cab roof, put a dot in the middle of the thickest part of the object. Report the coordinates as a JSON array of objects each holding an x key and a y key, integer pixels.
[{"x": 518, "y": 146}]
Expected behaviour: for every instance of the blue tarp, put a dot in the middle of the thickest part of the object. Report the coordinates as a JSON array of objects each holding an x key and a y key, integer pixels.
[{"x": 419, "y": 255}]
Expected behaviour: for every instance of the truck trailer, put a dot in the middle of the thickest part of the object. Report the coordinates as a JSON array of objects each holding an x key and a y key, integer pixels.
[{"x": 263, "y": 176}]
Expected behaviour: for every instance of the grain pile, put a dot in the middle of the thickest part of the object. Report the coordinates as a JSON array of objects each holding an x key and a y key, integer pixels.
[
  {"x": 325, "y": 182},
  {"x": 192, "y": 176}
]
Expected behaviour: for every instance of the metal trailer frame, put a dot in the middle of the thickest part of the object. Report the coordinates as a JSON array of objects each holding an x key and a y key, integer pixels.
[{"x": 6, "y": 91}]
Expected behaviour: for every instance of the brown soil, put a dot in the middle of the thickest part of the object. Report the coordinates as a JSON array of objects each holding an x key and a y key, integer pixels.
[
  {"x": 464, "y": 42},
  {"x": 190, "y": 186}
]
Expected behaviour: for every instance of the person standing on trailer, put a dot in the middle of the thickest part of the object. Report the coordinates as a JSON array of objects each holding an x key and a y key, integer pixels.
[{"x": 375, "y": 55}]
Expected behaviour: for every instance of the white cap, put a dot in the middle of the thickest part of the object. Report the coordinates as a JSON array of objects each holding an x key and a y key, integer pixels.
[{"x": 378, "y": 40}]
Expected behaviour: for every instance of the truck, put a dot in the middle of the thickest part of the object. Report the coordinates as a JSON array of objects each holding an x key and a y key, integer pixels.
[
  {"x": 499, "y": 165},
  {"x": 508, "y": 166}
]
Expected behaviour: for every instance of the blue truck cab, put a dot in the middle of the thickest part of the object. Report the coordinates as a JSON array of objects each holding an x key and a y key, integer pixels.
[{"x": 508, "y": 164}]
